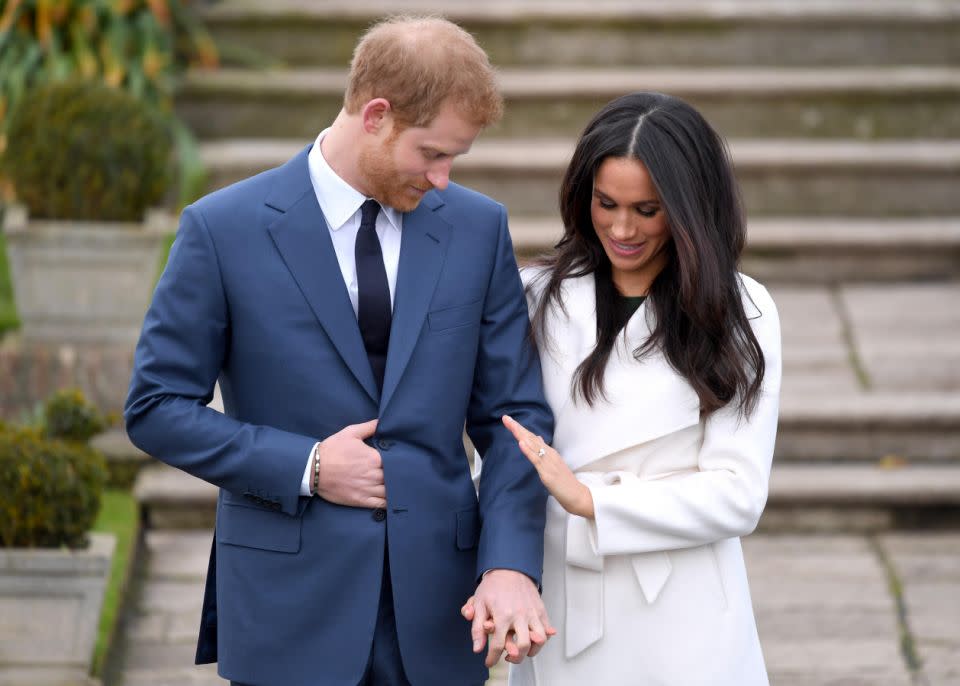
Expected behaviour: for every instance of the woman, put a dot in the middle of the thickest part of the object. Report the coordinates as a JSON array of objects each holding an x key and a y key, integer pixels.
[{"x": 662, "y": 366}]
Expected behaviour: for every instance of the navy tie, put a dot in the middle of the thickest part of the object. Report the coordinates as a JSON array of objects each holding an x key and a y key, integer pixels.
[{"x": 373, "y": 292}]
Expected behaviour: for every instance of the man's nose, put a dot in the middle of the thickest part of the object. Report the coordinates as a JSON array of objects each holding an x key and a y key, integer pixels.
[{"x": 439, "y": 175}]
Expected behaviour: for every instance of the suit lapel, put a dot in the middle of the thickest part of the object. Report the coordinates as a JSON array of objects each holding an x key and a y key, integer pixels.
[
  {"x": 302, "y": 238},
  {"x": 422, "y": 251}
]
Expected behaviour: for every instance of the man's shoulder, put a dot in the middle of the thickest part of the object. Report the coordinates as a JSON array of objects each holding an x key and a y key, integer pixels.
[
  {"x": 458, "y": 197},
  {"x": 284, "y": 184},
  {"x": 240, "y": 194}
]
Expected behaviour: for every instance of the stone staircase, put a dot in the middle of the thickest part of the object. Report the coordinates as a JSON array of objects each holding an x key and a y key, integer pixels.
[
  {"x": 843, "y": 119},
  {"x": 842, "y": 116}
]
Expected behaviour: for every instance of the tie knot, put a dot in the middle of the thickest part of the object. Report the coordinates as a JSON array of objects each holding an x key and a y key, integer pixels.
[{"x": 368, "y": 212}]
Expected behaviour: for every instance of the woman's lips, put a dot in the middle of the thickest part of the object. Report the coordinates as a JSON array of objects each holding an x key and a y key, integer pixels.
[{"x": 627, "y": 249}]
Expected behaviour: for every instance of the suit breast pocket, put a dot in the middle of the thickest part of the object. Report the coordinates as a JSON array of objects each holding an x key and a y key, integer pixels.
[{"x": 456, "y": 317}]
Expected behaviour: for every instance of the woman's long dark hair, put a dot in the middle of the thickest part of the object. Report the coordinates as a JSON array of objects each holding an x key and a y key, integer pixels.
[{"x": 700, "y": 322}]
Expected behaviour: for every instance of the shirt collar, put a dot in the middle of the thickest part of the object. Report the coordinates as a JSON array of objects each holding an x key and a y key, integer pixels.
[{"x": 338, "y": 200}]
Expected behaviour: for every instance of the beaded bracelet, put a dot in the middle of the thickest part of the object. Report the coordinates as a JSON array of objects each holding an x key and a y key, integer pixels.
[{"x": 316, "y": 468}]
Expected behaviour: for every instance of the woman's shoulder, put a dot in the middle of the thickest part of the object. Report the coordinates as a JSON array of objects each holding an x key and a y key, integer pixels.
[
  {"x": 534, "y": 276},
  {"x": 762, "y": 313},
  {"x": 756, "y": 298},
  {"x": 535, "y": 279}
]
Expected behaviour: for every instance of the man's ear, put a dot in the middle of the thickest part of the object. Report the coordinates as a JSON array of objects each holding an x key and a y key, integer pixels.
[{"x": 377, "y": 116}]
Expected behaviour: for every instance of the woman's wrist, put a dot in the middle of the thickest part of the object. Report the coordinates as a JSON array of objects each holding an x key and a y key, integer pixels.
[{"x": 586, "y": 508}]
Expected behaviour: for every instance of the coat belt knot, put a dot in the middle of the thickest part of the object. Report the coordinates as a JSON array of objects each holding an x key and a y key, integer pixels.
[{"x": 583, "y": 624}]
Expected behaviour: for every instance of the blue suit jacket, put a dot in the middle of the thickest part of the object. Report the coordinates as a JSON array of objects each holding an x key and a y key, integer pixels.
[{"x": 253, "y": 296}]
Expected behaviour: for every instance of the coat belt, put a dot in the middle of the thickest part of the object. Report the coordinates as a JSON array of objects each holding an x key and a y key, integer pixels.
[{"x": 584, "y": 620}]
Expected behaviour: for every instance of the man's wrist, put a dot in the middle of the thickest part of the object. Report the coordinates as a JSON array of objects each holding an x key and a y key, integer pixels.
[{"x": 506, "y": 569}]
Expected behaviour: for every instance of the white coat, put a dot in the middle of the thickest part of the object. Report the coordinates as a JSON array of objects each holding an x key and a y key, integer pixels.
[{"x": 654, "y": 589}]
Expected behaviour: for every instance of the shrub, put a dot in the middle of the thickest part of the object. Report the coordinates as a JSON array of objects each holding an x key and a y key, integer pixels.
[
  {"x": 50, "y": 490},
  {"x": 68, "y": 416},
  {"x": 83, "y": 150}
]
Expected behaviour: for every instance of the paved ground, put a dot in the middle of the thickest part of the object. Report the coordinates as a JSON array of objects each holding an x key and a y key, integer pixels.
[
  {"x": 873, "y": 337},
  {"x": 832, "y": 610}
]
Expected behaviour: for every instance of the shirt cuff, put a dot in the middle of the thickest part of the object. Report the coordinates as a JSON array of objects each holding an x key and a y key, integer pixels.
[{"x": 308, "y": 473}]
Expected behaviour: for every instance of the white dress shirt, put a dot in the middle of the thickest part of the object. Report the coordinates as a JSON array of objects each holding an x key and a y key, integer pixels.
[{"x": 340, "y": 203}]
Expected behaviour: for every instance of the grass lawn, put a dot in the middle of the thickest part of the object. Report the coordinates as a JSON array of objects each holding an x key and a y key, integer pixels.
[
  {"x": 165, "y": 254},
  {"x": 8, "y": 313},
  {"x": 119, "y": 516}
]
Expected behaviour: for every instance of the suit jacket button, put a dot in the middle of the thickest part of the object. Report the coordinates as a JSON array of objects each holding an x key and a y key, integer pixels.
[
  {"x": 384, "y": 444},
  {"x": 379, "y": 514}
]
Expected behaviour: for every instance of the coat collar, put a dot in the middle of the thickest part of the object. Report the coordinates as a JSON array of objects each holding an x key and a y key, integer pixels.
[
  {"x": 308, "y": 253},
  {"x": 646, "y": 398}
]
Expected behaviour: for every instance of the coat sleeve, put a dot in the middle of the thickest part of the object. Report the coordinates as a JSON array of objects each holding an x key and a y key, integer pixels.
[
  {"x": 725, "y": 498},
  {"x": 508, "y": 381},
  {"x": 176, "y": 365}
]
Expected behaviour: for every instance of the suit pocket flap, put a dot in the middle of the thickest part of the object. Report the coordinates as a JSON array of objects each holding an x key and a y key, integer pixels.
[
  {"x": 468, "y": 528},
  {"x": 452, "y": 317},
  {"x": 254, "y": 528}
]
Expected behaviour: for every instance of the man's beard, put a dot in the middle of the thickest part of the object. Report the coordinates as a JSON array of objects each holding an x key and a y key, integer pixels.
[{"x": 387, "y": 185}]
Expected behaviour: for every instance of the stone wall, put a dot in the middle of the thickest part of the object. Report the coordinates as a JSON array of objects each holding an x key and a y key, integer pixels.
[{"x": 30, "y": 372}]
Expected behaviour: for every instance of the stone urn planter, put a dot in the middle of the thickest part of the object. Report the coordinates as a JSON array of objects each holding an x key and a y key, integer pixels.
[
  {"x": 87, "y": 163},
  {"x": 83, "y": 281},
  {"x": 53, "y": 570},
  {"x": 50, "y": 604}
]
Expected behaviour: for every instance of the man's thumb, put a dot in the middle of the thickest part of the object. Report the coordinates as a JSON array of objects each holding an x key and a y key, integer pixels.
[{"x": 365, "y": 430}]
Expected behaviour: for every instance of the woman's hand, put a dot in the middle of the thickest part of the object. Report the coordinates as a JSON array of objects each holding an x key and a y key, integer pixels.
[{"x": 572, "y": 495}]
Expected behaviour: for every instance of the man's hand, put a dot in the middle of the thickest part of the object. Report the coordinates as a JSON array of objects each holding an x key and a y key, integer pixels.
[
  {"x": 507, "y": 606},
  {"x": 351, "y": 472}
]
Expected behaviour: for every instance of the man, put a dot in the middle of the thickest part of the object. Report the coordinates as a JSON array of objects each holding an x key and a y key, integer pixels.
[{"x": 357, "y": 310}]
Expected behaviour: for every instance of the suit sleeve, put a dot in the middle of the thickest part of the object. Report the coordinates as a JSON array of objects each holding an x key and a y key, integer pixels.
[
  {"x": 508, "y": 381},
  {"x": 724, "y": 499},
  {"x": 176, "y": 365}
]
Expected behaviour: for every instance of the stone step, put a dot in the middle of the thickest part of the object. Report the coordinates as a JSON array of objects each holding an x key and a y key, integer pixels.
[
  {"x": 869, "y": 426},
  {"x": 778, "y": 177},
  {"x": 865, "y": 103},
  {"x": 855, "y": 497},
  {"x": 172, "y": 499},
  {"x": 803, "y": 496},
  {"x": 124, "y": 459},
  {"x": 608, "y": 32},
  {"x": 828, "y": 250}
]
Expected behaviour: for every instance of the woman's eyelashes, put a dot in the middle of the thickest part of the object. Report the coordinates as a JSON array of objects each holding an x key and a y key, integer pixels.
[{"x": 646, "y": 211}]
